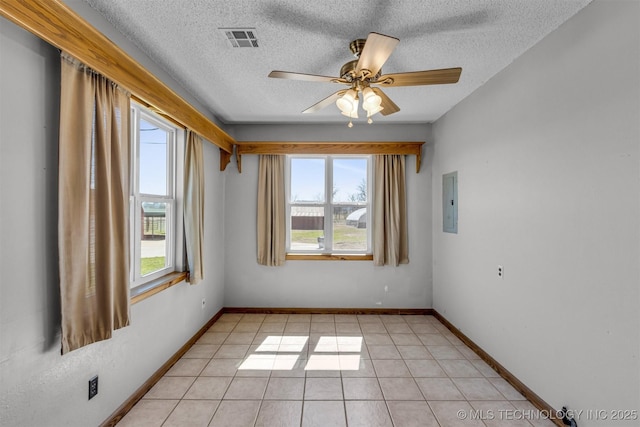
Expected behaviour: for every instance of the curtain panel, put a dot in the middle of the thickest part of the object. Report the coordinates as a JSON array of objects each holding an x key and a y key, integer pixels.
[
  {"x": 194, "y": 206},
  {"x": 390, "y": 240},
  {"x": 271, "y": 226},
  {"x": 93, "y": 205}
]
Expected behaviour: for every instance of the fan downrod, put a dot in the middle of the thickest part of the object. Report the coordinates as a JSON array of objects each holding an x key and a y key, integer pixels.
[
  {"x": 348, "y": 71},
  {"x": 356, "y": 47}
]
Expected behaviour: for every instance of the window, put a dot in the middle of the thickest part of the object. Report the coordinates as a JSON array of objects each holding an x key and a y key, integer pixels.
[
  {"x": 156, "y": 178},
  {"x": 333, "y": 187}
]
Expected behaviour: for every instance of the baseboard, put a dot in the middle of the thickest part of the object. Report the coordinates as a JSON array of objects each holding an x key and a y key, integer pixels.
[
  {"x": 305, "y": 310},
  {"x": 535, "y": 400},
  {"x": 531, "y": 396},
  {"x": 119, "y": 413}
]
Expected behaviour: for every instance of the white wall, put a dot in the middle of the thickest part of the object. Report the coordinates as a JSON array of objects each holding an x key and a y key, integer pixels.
[
  {"x": 38, "y": 386},
  {"x": 547, "y": 155},
  {"x": 547, "y": 160},
  {"x": 325, "y": 283},
  {"x": 93, "y": 17}
]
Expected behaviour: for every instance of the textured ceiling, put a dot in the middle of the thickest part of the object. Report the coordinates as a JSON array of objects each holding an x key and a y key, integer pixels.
[{"x": 183, "y": 37}]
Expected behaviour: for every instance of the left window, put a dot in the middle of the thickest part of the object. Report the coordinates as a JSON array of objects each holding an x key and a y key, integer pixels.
[{"x": 156, "y": 170}]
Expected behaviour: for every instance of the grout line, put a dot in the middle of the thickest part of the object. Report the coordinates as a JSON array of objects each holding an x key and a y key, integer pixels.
[{"x": 442, "y": 330}]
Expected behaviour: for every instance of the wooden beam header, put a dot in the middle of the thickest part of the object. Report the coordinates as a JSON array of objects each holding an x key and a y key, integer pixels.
[
  {"x": 57, "y": 24},
  {"x": 325, "y": 147}
]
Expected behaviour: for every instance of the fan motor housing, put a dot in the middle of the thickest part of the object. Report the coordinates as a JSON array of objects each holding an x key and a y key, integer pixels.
[
  {"x": 348, "y": 72},
  {"x": 356, "y": 47}
]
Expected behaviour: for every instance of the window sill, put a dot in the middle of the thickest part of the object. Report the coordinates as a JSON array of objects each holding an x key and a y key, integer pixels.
[
  {"x": 329, "y": 257},
  {"x": 143, "y": 292}
]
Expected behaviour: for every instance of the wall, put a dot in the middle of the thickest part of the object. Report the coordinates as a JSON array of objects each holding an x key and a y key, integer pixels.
[
  {"x": 547, "y": 160},
  {"x": 325, "y": 283},
  {"x": 38, "y": 386},
  {"x": 83, "y": 9}
]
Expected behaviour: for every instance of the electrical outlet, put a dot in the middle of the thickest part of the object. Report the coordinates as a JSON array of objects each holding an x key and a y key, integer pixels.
[
  {"x": 500, "y": 272},
  {"x": 93, "y": 387},
  {"x": 204, "y": 302}
]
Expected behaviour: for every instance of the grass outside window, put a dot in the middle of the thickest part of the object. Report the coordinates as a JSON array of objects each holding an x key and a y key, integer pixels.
[
  {"x": 346, "y": 236},
  {"x": 151, "y": 264}
]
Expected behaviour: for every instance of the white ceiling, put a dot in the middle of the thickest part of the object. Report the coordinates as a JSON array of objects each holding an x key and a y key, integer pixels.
[{"x": 183, "y": 37}]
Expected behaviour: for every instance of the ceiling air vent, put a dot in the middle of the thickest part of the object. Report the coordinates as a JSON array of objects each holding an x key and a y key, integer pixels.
[{"x": 241, "y": 37}]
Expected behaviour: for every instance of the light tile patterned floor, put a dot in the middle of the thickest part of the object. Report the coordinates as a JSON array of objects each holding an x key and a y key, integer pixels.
[{"x": 331, "y": 370}]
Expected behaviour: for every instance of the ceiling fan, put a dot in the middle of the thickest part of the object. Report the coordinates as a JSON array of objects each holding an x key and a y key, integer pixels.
[{"x": 364, "y": 75}]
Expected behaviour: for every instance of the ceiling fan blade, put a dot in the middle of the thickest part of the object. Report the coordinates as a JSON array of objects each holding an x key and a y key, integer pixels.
[
  {"x": 473, "y": 20},
  {"x": 388, "y": 106},
  {"x": 376, "y": 51},
  {"x": 288, "y": 16},
  {"x": 301, "y": 76},
  {"x": 419, "y": 78},
  {"x": 325, "y": 102}
]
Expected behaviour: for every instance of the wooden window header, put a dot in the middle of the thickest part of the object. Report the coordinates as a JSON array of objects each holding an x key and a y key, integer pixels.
[
  {"x": 57, "y": 24},
  {"x": 60, "y": 26},
  {"x": 276, "y": 147}
]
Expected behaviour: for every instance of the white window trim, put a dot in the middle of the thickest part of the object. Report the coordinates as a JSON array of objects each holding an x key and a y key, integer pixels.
[
  {"x": 328, "y": 204},
  {"x": 174, "y": 217}
]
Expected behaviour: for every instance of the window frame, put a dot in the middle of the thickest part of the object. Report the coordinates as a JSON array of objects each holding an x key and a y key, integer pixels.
[
  {"x": 328, "y": 204},
  {"x": 174, "y": 235}
]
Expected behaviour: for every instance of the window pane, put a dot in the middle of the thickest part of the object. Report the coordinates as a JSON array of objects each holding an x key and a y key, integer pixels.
[
  {"x": 349, "y": 228},
  {"x": 153, "y": 246},
  {"x": 153, "y": 159},
  {"x": 307, "y": 228},
  {"x": 350, "y": 180},
  {"x": 307, "y": 180}
]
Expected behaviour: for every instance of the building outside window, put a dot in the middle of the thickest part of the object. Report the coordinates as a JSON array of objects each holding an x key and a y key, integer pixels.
[
  {"x": 156, "y": 182},
  {"x": 328, "y": 204}
]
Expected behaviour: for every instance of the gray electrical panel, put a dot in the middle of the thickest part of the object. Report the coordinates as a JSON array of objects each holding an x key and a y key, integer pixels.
[{"x": 450, "y": 202}]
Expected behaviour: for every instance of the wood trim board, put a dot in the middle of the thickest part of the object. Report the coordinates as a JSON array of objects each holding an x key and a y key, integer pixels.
[
  {"x": 305, "y": 310},
  {"x": 60, "y": 26},
  {"x": 328, "y": 147},
  {"x": 536, "y": 400},
  {"x": 151, "y": 288},
  {"x": 119, "y": 413},
  {"x": 328, "y": 257},
  {"x": 531, "y": 396}
]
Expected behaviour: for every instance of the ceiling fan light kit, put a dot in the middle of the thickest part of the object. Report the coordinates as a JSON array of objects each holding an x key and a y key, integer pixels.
[
  {"x": 360, "y": 74},
  {"x": 371, "y": 100},
  {"x": 371, "y": 103},
  {"x": 348, "y": 103}
]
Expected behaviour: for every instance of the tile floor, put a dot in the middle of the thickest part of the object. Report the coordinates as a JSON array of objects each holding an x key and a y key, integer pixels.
[{"x": 331, "y": 370}]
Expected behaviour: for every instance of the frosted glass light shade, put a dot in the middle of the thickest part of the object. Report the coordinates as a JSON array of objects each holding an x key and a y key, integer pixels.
[
  {"x": 348, "y": 103},
  {"x": 371, "y": 101},
  {"x": 374, "y": 111}
]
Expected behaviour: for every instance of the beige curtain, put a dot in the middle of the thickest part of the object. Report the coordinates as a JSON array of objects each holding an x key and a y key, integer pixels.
[
  {"x": 389, "y": 211},
  {"x": 194, "y": 206},
  {"x": 93, "y": 208},
  {"x": 271, "y": 211}
]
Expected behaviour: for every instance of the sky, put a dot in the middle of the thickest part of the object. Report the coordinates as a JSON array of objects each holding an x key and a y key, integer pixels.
[
  {"x": 308, "y": 174},
  {"x": 153, "y": 152}
]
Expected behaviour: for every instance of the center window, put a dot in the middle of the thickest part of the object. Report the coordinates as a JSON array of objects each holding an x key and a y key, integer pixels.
[{"x": 328, "y": 204}]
